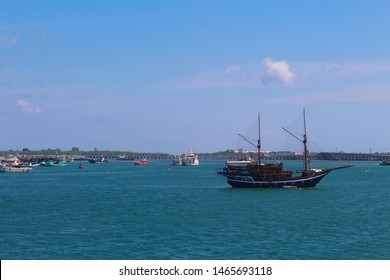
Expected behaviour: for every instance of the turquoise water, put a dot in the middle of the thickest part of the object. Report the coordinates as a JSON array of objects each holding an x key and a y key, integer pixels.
[{"x": 122, "y": 211}]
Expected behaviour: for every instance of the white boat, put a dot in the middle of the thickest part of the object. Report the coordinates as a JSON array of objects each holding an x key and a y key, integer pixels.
[
  {"x": 15, "y": 165},
  {"x": 189, "y": 159},
  {"x": 14, "y": 161},
  {"x": 4, "y": 168},
  {"x": 177, "y": 161}
]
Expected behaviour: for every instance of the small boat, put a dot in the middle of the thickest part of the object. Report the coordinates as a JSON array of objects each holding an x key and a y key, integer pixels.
[
  {"x": 33, "y": 164},
  {"x": 127, "y": 158},
  {"x": 5, "y": 168},
  {"x": 60, "y": 163},
  {"x": 52, "y": 163},
  {"x": 14, "y": 161},
  {"x": 46, "y": 163},
  {"x": 99, "y": 160},
  {"x": 14, "y": 165},
  {"x": 141, "y": 162},
  {"x": 385, "y": 162},
  {"x": 257, "y": 174},
  {"x": 177, "y": 161}
]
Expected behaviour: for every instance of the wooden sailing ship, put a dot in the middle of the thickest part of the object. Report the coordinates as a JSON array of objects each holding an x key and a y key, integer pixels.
[{"x": 257, "y": 174}]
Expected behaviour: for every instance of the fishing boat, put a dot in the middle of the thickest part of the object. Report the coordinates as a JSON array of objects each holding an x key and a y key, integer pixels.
[
  {"x": 14, "y": 161},
  {"x": 14, "y": 165},
  {"x": 14, "y": 169},
  {"x": 53, "y": 163},
  {"x": 141, "y": 162},
  {"x": 32, "y": 164},
  {"x": 125, "y": 157},
  {"x": 99, "y": 160},
  {"x": 257, "y": 174}
]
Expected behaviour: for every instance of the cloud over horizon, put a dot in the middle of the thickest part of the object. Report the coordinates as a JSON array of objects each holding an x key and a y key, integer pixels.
[
  {"x": 27, "y": 107},
  {"x": 277, "y": 71},
  {"x": 8, "y": 41},
  {"x": 235, "y": 69}
]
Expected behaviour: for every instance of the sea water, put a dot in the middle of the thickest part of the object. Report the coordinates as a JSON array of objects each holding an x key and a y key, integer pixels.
[{"x": 159, "y": 211}]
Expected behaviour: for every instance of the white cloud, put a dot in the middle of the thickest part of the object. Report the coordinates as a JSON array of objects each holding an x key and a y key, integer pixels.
[
  {"x": 27, "y": 107},
  {"x": 236, "y": 76},
  {"x": 277, "y": 71},
  {"x": 316, "y": 76},
  {"x": 8, "y": 41},
  {"x": 235, "y": 69}
]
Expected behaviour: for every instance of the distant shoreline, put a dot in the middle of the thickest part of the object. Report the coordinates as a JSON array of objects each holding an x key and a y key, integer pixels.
[{"x": 222, "y": 155}]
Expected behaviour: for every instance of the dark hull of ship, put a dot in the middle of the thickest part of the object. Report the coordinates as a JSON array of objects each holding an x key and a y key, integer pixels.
[{"x": 298, "y": 182}]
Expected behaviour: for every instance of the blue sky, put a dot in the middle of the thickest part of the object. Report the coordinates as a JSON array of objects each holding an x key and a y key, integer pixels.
[{"x": 165, "y": 76}]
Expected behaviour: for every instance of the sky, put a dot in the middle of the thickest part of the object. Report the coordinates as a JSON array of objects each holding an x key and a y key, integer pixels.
[{"x": 166, "y": 76}]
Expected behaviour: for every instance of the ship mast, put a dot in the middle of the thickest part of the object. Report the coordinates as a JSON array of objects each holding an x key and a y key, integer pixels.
[
  {"x": 305, "y": 150},
  {"x": 304, "y": 141},
  {"x": 258, "y": 146},
  {"x": 258, "y": 141}
]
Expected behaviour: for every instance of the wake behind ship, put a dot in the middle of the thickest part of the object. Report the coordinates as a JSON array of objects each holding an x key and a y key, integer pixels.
[{"x": 257, "y": 174}]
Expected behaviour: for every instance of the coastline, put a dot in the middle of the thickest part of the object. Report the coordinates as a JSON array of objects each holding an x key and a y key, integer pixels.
[{"x": 222, "y": 155}]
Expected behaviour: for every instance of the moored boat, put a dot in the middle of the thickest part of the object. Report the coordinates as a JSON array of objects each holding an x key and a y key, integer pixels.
[
  {"x": 14, "y": 165},
  {"x": 142, "y": 162},
  {"x": 257, "y": 174},
  {"x": 32, "y": 164},
  {"x": 5, "y": 168},
  {"x": 52, "y": 163},
  {"x": 99, "y": 160},
  {"x": 13, "y": 161},
  {"x": 126, "y": 157}
]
